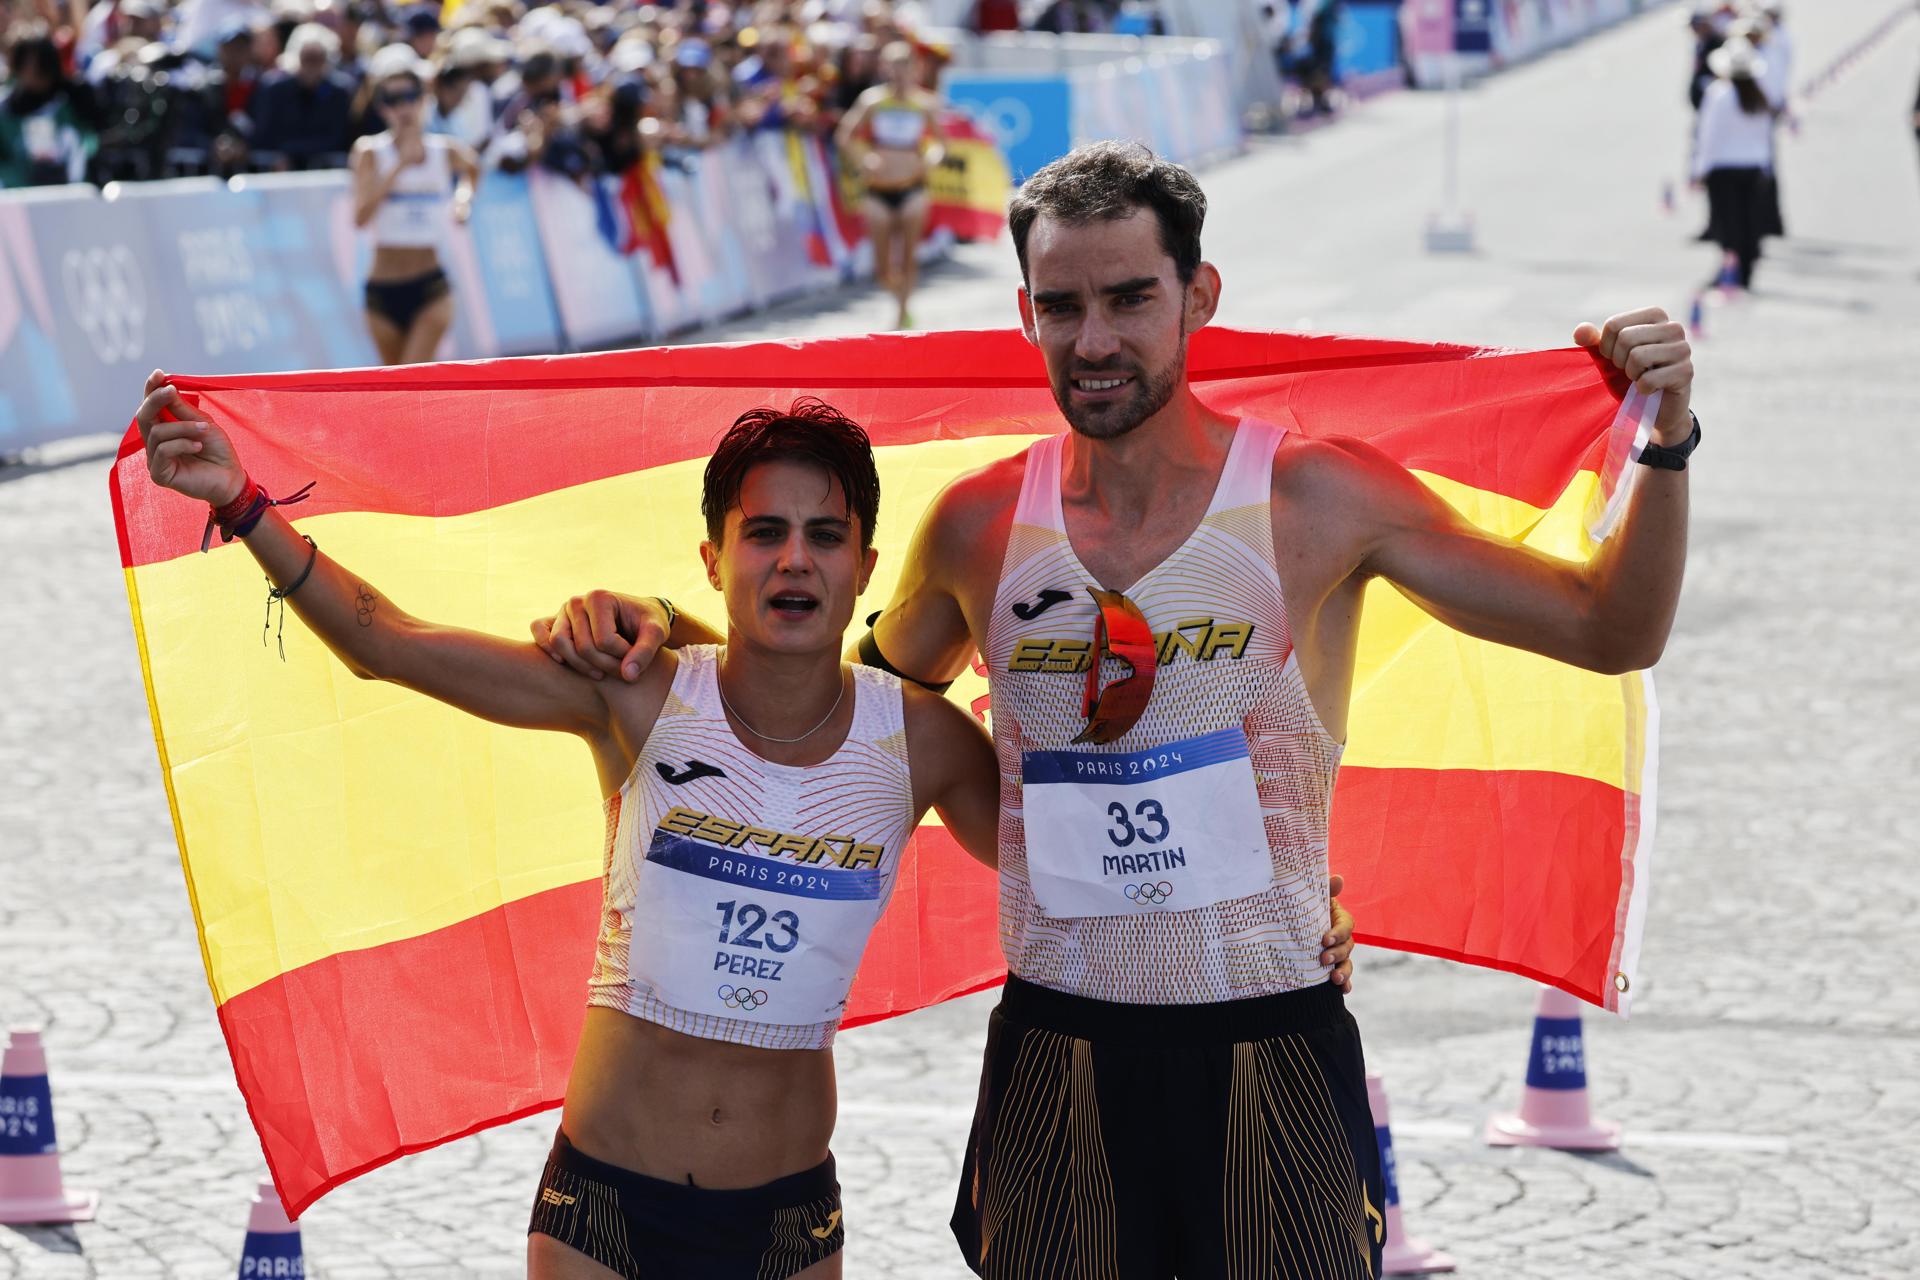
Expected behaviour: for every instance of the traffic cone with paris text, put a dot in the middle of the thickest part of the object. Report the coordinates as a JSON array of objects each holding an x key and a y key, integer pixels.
[
  {"x": 1404, "y": 1255},
  {"x": 272, "y": 1247},
  {"x": 1553, "y": 1105},
  {"x": 31, "y": 1189}
]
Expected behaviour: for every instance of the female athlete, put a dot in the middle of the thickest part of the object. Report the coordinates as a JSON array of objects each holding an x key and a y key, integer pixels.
[
  {"x": 410, "y": 186},
  {"x": 892, "y": 136}
]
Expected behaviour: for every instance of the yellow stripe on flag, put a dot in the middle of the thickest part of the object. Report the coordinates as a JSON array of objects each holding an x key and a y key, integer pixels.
[
  {"x": 1507, "y": 709},
  {"x": 284, "y": 865}
]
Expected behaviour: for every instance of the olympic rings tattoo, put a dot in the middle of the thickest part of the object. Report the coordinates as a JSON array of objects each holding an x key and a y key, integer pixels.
[
  {"x": 1149, "y": 892},
  {"x": 742, "y": 998}
]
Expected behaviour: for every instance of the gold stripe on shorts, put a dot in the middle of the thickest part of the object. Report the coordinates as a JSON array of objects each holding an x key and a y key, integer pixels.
[
  {"x": 572, "y": 1207},
  {"x": 1293, "y": 1198},
  {"x": 802, "y": 1235},
  {"x": 1049, "y": 1191}
]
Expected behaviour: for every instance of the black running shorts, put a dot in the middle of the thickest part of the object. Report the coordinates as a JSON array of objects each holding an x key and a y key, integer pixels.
[
  {"x": 650, "y": 1229},
  {"x": 1139, "y": 1142}
]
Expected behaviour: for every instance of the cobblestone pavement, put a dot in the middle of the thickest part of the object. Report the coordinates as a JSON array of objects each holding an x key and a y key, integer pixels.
[{"x": 1770, "y": 1079}]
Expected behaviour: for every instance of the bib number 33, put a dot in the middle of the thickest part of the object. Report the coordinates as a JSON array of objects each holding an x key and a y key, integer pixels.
[
  {"x": 1170, "y": 828},
  {"x": 1152, "y": 827}
]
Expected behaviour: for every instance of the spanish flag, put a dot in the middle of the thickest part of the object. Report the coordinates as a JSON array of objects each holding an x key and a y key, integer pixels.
[{"x": 397, "y": 903}]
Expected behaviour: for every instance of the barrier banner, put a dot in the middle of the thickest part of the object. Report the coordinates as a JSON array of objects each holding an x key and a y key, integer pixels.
[
  {"x": 798, "y": 257},
  {"x": 85, "y": 314},
  {"x": 730, "y": 291},
  {"x": 594, "y": 286},
  {"x": 39, "y": 400},
  {"x": 1029, "y": 118},
  {"x": 308, "y": 240},
  {"x": 773, "y": 236},
  {"x": 200, "y": 258},
  {"x": 1369, "y": 40},
  {"x": 513, "y": 271}
]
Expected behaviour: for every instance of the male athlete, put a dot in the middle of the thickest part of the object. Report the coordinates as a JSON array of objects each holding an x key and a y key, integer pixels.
[{"x": 1171, "y": 1087}]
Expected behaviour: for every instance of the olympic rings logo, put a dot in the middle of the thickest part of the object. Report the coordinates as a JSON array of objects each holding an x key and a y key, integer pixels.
[
  {"x": 1149, "y": 892},
  {"x": 742, "y": 998},
  {"x": 108, "y": 295}
]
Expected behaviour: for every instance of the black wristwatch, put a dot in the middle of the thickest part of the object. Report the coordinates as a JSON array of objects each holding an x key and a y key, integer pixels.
[{"x": 1672, "y": 458}]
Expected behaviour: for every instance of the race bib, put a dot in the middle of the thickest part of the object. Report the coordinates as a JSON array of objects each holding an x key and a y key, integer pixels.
[
  {"x": 1167, "y": 829},
  {"x": 740, "y": 934}
]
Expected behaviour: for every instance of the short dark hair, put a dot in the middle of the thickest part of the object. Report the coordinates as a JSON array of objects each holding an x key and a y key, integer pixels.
[
  {"x": 1107, "y": 181},
  {"x": 810, "y": 431}
]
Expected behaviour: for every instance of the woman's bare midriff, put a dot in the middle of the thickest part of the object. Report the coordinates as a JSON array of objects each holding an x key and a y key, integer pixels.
[
  {"x": 682, "y": 1108},
  {"x": 895, "y": 169},
  {"x": 391, "y": 262}
]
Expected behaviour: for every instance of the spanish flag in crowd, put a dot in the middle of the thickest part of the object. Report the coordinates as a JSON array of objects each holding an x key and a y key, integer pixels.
[
  {"x": 647, "y": 214},
  {"x": 397, "y": 902}
]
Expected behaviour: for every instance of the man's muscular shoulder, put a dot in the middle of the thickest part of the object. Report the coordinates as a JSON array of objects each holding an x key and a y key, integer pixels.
[
  {"x": 1339, "y": 481},
  {"x": 973, "y": 513},
  {"x": 1334, "y": 497}
]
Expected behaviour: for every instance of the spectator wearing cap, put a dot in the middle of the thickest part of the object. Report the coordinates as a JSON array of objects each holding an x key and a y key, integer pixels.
[
  {"x": 199, "y": 25},
  {"x": 421, "y": 26},
  {"x": 303, "y": 112},
  {"x": 704, "y": 110},
  {"x": 462, "y": 106},
  {"x": 47, "y": 133},
  {"x": 218, "y": 117},
  {"x": 346, "y": 20}
]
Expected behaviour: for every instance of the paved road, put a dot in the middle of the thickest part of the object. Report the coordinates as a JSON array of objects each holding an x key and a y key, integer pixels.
[{"x": 1768, "y": 1079}]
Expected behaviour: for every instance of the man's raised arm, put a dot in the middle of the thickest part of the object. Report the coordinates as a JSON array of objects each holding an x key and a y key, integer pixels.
[{"x": 1611, "y": 614}]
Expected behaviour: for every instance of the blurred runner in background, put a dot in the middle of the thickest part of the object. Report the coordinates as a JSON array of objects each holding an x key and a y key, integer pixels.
[
  {"x": 892, "y": 137},
  {"x": 410, "y": 186}
]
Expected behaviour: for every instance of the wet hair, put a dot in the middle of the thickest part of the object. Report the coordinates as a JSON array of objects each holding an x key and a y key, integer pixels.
[
  {"x": 809, "y": 431},
  {"x": 1105, "y": 182}
]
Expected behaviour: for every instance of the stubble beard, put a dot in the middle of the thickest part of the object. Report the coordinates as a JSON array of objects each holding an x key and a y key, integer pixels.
[{"x": 1150, "y": 395}]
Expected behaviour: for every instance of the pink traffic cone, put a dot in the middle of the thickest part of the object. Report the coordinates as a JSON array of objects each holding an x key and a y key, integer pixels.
[
  {"x": 1404, "y": 1256},
  {"x": 1553, "y": 1106},
  {"x": 31, "y": 1189},
  {"x": 272, "y": 1247}
]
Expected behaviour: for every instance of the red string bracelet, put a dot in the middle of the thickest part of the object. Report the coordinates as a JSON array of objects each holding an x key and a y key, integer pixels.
[{"x": 237, "y": 518}]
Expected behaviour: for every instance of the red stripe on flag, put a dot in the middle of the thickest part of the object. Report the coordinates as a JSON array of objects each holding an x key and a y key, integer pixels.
[
  {"x": 455, "y": 438},
  {"x": 328, "y": 1109},
  {"x": 1423, "y": 873}
]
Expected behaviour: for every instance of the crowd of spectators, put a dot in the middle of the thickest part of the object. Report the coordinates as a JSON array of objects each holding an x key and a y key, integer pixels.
[{"x": 135, "y": 89}]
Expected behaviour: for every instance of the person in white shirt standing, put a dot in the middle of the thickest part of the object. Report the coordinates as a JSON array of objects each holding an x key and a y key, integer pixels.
[
  {"x": 1732, "y": 154},
  {"x": 411, "y": 186}
]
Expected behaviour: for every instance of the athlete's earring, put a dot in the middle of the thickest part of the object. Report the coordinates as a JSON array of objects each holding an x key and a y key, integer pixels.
[{"x": 1120, "y": 631}]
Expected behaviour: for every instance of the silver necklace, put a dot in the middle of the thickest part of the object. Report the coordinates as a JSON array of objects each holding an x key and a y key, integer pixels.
[{"x": 767, "y": 737}]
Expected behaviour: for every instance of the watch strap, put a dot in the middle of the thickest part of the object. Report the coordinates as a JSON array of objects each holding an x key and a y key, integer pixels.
[{"x": 1671, "y": 457}]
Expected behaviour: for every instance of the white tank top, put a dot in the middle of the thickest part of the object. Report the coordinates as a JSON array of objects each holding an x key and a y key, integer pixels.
[
  {"x": 417, "y": 213},
  {"x": 739, "y": 893},
  {"x": 1229, "y": 707},
  {"x": 897, "y": 124}
]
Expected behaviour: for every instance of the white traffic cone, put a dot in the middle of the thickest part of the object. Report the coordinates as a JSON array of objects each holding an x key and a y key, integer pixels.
[
  {"x": 1404, "y": 1255},
  {"x": 1553, "y": 1106},
  {"x": 31, "y": 1189}
]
